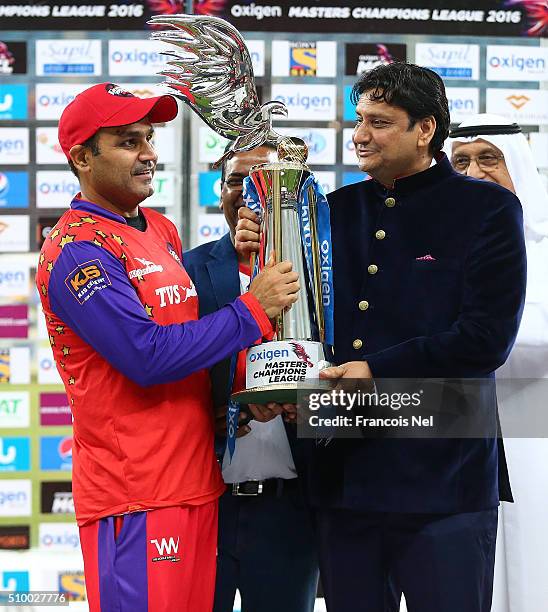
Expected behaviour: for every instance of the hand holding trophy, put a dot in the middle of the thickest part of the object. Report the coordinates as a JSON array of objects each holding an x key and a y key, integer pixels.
[{"x": 210, "y": 69}]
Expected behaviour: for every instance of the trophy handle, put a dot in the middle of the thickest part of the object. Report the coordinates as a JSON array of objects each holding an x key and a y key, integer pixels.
[{"x": 316, "y": 275}]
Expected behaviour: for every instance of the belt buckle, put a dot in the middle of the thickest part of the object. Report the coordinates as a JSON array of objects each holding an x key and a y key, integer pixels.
[{"x": 250, "y": 488}]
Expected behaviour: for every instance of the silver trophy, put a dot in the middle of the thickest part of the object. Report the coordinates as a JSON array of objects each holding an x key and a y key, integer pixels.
[{"x": 210, "y": 69}]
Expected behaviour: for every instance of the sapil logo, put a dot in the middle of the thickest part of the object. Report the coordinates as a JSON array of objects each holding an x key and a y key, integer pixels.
[
  {"x": 84, "y": 275},
  {"x": 174, "y": 295},
  {"x": 451, "y": 54},
  {"x": 69, "y": 53},
  {"x": 167, "y": 549}
]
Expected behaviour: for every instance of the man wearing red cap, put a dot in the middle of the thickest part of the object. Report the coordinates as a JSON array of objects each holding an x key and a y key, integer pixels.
[{"x": 122, "y": 318}]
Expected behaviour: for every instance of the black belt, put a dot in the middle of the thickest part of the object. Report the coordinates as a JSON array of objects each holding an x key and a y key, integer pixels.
[{"x": 253, "y": 488}]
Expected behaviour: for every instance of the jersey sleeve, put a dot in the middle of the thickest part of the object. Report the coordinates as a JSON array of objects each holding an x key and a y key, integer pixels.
[{"x": 90, "y": 292}]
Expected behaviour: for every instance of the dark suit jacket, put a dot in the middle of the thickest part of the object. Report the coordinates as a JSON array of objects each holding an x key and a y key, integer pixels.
[
  {"x": 444, "y": 302},
  {"x": 213, "y": 267}
]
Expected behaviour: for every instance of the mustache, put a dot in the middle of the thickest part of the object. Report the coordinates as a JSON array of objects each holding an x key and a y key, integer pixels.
[{"x": 144, "y": 168}]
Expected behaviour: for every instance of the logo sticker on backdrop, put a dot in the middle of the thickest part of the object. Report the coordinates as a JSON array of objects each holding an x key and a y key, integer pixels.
[
  {"x": 14, "y": 146},
  {"x": 16, "y": 537},
  {"x": 304, "y": 58},
  {"x": 307, "y": 102},
  {"x": 513, "y": 63},
  {"x": 14, "y": 189},
  {"x": 13, "y": 102},
  {"x": 524, "y": 106},
  {"x": 361, "y": 58},
  {"x": 449, "y": 60},
  {"x": 13, "y": 56},
  {"x": 72, "y": 585},
  {"x": 56, "y": 497}
]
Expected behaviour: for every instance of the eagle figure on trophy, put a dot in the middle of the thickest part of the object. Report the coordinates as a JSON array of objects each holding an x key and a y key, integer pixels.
[{"x": 210, "y": 69}]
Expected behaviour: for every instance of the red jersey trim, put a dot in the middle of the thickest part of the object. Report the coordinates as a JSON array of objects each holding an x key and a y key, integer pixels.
[{"x": 258, "y": 313}]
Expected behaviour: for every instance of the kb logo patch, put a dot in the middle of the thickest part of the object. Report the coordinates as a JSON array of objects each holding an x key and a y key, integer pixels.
[{"x": 87, "y": 279}]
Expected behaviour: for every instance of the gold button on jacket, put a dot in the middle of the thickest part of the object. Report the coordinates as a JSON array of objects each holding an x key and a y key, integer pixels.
[
  {"x": 390, "y": 202},
  {"x": 372, "y": 269},
  {"x": 363, "y": 305},
  {"x": 380, "y": 234},
  {"x": 357, "y": 344}
]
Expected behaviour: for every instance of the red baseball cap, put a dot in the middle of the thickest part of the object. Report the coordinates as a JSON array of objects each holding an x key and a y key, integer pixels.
[{"x": 109, "y": 105}]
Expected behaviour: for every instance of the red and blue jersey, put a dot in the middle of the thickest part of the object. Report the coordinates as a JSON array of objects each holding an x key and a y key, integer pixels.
[{"x": 122, "y": 318}]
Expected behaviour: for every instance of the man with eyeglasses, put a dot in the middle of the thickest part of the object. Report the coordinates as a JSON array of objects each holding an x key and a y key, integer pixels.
[{"x": 492, "y": 148}]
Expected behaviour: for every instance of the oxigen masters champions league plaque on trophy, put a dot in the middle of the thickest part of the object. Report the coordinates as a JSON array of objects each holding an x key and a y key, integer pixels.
[{"x": 210, "y": 69}]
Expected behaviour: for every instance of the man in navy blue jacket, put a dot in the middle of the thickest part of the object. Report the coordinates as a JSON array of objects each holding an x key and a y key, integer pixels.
[
  {"x": 429, "y": 278},
  {"x": 266, "y": 546}
]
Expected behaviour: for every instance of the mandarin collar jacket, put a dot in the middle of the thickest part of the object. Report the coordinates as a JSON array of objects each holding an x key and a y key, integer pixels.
[{"x": 429, "y": 282}]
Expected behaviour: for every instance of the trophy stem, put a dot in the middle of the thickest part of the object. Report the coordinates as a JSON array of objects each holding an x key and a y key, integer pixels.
[{"x": 277, "y": 226}]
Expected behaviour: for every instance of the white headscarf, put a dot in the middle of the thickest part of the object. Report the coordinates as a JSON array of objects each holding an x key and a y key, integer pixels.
[
  {"x": 530, "y": 190},
  {"x": 522, "y": 169}
]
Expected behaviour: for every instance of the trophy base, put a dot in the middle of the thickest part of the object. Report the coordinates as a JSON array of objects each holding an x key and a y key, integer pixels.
[
  {"x": 286, "y": 393},
  {"x": 277, "y": 371}
]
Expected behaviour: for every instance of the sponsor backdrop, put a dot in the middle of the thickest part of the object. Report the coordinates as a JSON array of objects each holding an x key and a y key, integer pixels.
[{"x": 493, "y": 57}]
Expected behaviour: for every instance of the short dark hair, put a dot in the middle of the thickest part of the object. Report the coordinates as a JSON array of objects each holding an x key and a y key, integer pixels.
[
  {"x": 267, "y": 144},
  {"x": 419, "y": 91},
  {"x": 93, "y": 143}
]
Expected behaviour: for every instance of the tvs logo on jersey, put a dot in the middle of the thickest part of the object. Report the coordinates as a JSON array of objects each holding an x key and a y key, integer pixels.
[
  {"x": 168, "y": 549},
  {"x": 303, "y": 59},
  {"x": 175, "y": 294},
  {"x": 86, "y": 280}
]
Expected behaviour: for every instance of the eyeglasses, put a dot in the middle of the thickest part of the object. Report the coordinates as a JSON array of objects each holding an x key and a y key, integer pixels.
[{"x": 486, "y": 161}]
